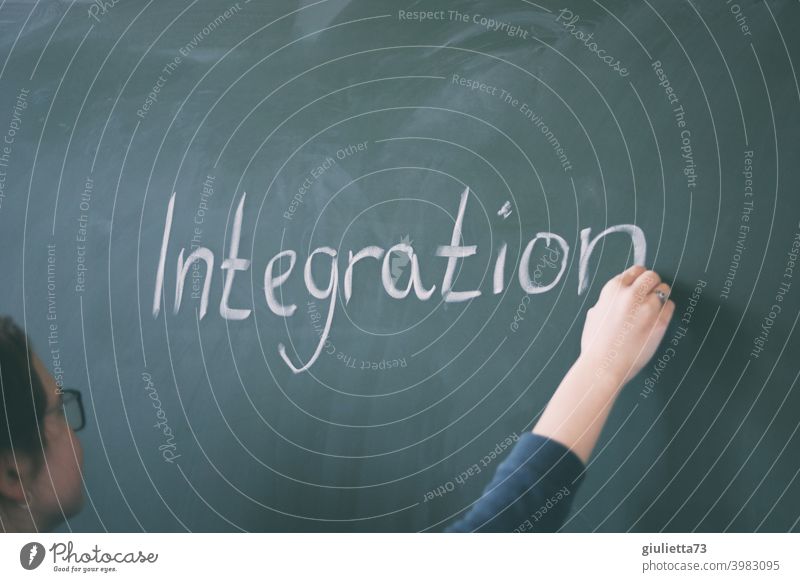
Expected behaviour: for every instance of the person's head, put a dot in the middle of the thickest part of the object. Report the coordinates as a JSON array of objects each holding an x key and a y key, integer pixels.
[{"x": 40, "y": 455}]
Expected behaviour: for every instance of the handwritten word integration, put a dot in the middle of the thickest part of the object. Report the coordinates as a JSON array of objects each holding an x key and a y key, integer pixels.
[{"x": 452, "y": 252}]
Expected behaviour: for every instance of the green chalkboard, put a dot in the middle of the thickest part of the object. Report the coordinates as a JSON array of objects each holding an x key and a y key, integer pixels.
[{"x": 284, "y": 249}]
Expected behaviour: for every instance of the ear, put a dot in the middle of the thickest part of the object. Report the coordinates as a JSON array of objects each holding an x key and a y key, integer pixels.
[{"x": 13, "y": 472}]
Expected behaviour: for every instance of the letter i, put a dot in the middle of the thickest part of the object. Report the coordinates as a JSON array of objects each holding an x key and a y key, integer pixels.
[
  {"x": 163, "y": 256},
  {"x": 499, "y": 270}
]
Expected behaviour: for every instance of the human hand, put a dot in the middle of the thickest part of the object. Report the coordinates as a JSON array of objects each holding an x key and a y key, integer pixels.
[{"x": 625, "y": 326}]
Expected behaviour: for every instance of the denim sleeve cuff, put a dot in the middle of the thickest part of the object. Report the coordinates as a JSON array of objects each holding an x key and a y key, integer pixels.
[{"x": 530, "y": 491}]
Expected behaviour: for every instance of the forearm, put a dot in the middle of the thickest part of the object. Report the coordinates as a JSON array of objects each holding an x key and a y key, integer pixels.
[
  {"x": 540, "y": 470},
  {"x": 579, "y": 407},
  {"x": 621, "y": 334}
]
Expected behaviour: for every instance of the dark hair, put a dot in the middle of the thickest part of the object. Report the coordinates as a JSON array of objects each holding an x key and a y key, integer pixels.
[{"x": 22, "y": 396}]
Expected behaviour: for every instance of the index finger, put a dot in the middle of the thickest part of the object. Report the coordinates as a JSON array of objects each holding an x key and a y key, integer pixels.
[{"x": 628, "y": 276}]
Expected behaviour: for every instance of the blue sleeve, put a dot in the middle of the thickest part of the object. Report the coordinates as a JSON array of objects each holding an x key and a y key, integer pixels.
[{"x": 532, "y": 489}]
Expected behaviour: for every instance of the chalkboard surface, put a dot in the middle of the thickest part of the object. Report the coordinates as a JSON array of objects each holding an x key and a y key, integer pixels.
[{"x": 151, "y": 149}]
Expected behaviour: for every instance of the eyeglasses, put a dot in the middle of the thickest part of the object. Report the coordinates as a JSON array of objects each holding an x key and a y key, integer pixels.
[{"x": 71, "y": 407}]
